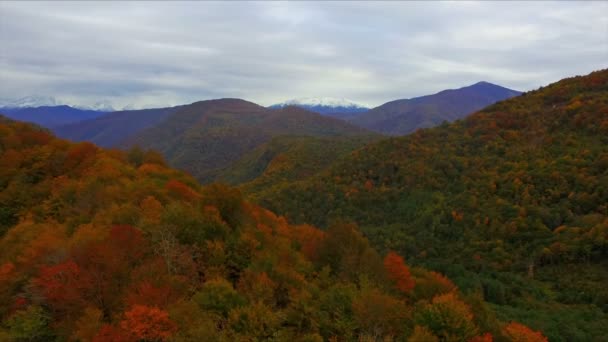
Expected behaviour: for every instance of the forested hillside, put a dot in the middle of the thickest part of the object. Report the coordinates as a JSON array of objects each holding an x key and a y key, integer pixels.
[
  {"x": 511, "y": 202},
  {"x": 103, "y": 245},
  {"x": 206, "y": 137},
  {"x": 290, "y": 158}
]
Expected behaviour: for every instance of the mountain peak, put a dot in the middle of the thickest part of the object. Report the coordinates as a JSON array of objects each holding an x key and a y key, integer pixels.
[
  {"x": 488, "y": 85},
  {"x": 324, "y": 101},
  {"x": 100, "y": 106},
  {"x": 29, "y": 101},
  {"x": 324, "y": 105}
]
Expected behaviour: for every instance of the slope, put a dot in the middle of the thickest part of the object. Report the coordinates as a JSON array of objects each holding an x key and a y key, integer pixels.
[
  {"x": 290, "y": 158},
  {"x": 401, "y": 117},
  {"x": 99, "y": 246},
  {"x": 512, "y": 201},
  {"x": 113, "y": 128},
  {"x": 205, "y": 137}
]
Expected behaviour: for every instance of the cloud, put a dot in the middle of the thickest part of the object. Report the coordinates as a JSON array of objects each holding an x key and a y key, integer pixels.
[{"x": 167, "y": 53}]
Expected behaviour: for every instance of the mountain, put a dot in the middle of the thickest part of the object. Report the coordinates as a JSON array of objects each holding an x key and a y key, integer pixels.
[
  {"x": 290, "y": 158},
  {"x": 100, "y": 106},
  {"x": 49, "y": 101},
  {"x": 510, "y": 202},
  {"x": 50, "y": 116},
  {"x": 104, "y": 245},
  {"x": 29, "y": 101},
  {"x": 206, "y": 137},
  {"x": 402, "y": 117},
  {"x": 111, "y": 129},
  {"x": 325, "y": 105}
]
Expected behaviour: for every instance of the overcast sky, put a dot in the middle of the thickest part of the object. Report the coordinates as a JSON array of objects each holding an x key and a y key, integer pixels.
[{"x": 167, "y": 53}]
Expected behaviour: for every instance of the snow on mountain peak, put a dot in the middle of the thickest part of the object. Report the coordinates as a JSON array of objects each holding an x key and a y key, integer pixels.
[
  {"x": 321, "y": 101},
  {"x": 29, "y": 101},
  {"x": 100, "y": 106},
  {"x": 49, "y": 101}
]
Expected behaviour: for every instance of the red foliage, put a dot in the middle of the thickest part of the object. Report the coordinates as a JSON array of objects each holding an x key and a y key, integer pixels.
[
  {"x": 148, "y": 323},
  {"x": 181, "y": 190},
  {"x": 63, "y": 285},
  {"x": 18, "y": 304},
  {"x": 487, "y": 337},
  {"x": 128, "y": 241},
  {"x": 35, "y": 137},
  {"x": 148, "y": 294},
  {"x": 309, "y": 238},
  {"x": 398, "y": 272},
  {"x": 78, "y": 154},
  {"x": 108, "y": 264},
  {"x": 109, "y": 333},
  {"x": 518, "y": 332},
  {"x": 6, "y": 272}
]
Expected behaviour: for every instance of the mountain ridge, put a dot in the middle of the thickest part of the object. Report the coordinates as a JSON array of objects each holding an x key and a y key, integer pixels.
[
  {"x": 207, "y": 136},
  {"x": 403, "y": 116}
]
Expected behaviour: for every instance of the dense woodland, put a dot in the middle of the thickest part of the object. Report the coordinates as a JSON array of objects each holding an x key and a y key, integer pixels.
[
  {"x": 511, "y": 203},
  {"x": 105, "y": 245},
  {"x": 206, "y": 137}
]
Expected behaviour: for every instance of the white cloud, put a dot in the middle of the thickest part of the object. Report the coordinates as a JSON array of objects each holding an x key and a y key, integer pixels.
[{"x": 160, "y": 53}]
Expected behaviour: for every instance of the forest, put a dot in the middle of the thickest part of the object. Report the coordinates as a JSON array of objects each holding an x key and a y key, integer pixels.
[
  {"x": 107, "y": 245},
  {"x": 511, "y": 203}
]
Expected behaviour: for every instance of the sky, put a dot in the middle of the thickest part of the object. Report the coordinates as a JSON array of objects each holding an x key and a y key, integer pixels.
[{"x": 151, "y": 54}]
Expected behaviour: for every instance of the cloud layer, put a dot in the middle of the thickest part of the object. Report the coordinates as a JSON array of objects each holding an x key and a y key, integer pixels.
[{"x": 165, "y": 53}]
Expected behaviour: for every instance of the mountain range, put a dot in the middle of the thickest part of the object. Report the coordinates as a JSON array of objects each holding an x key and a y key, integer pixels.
[
  {"x": 49, "y": 101},
  {"x": 207, "y": 137},
  {"x": 111, "y": 129},
  {"x": 401, "y": 117},
  {"x": 325, "y": 105},
  {"x": 500, "y": 215},
  {"x": 50, "y": 116}
]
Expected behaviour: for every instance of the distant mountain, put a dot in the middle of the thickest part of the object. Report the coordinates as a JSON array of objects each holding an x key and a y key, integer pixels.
[
  {"x": 28, "y": 102},
  {"x": 205, "y": 137},
  {"x": 325, "y": 105},
  {"x": 101, "y": 106},
  {"x": 111, "y": 129},
  {"x": 49, "y": 101},
  {"x": 50, "y": 116},
  {"x": 401, "y": 117}
]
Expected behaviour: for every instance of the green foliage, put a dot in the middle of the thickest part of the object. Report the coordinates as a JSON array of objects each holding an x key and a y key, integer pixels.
[
  {"x": 448, "y": 318},
  {"x": 218, "y": 296},
  {"x": 31, "y": 324},
  {"x": 290, "y": 158},
  {"x": 349, "y": 254}
]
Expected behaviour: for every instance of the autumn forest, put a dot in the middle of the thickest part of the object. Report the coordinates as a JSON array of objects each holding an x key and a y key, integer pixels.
[
  {"x": 450, "y": 234},
  {"x": 303, "y": 171}
]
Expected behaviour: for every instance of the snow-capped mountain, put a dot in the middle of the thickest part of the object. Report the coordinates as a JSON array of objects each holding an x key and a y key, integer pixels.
[
  {"x": 36, "y": 101},
  {"x": 29, "y": 102},
  {"x": 324, "y": 105},
  {"x": 101, "y": 106}
]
